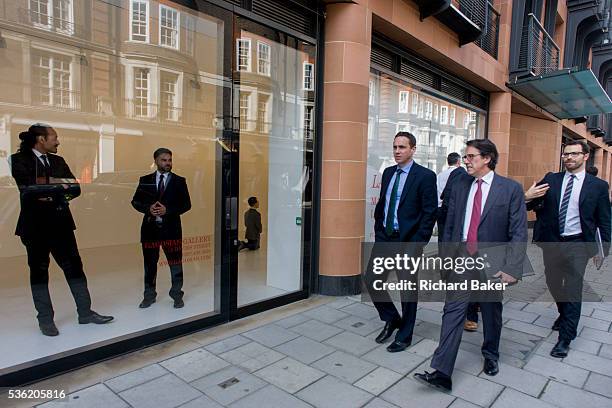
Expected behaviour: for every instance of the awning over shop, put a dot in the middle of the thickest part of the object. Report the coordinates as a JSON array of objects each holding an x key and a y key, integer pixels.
[{"x": 566, "y": 93}]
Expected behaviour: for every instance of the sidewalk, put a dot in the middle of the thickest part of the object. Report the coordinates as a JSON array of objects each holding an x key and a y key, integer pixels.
[{"x": 321, "y": 352}]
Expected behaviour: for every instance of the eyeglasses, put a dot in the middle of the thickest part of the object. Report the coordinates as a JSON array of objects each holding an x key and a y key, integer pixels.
[
  {"x": 573, "y": 155},
  {"x": 470, "y": 157}
]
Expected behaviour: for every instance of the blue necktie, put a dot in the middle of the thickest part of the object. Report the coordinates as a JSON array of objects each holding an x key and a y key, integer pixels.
[
  {"x": 565, "y": 203},
  {"x": 389, "y": 227}
]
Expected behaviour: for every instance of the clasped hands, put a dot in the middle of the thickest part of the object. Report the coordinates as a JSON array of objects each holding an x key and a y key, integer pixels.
[
  {"x": 157, "y": 209},
  {"x": 504, "y": 277}
]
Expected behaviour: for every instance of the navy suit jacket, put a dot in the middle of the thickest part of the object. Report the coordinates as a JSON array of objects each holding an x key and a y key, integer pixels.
[
  {"x": 416, "y": 213},
  {"x": 455, "y": 175},
  {"x": 594, "y": 205},
  {"x": 503, "y": 221}
]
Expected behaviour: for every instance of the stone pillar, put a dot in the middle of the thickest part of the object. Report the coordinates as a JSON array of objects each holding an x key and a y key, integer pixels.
[
  {"x": 500, "y": 108},
  {"x": 345, "y": 124}
]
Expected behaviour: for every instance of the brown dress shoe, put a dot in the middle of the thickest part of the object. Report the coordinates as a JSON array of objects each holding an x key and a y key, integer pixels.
[{"x": 470, "y": 326}]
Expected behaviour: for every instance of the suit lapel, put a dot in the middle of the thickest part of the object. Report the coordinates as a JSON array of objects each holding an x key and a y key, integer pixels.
[
  {"x": 588, "y": 179},
  {"x": 491, "y": 197},
  {"x": 462, "y": 199},
  {"x": 558, "y": 179},
  {"x": 409, "y": 181},
  {"x": 386, "y": 178}
]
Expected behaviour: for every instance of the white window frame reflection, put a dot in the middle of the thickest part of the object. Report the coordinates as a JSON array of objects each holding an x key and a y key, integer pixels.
[
  {"x": 371, "y": 91},
  {"x": 243, "y": 54},
  {"x": 59, "y": 15},
  {"x": 264, "y": 58},
  {"x": 141, "y": 22},
  {"x": 444, "y": 115},
  {"x": 436, "y": 116},
  {"x": 59, "y": 79},
  {"x": 428, "y": 110},
  {"x": 308, "y": 72},
  {"x": 140, "y": 91},
  {"x": 170, "y": 112},
  {"x": 308, "y": 121},
  {"x": 404, "y": 97},
  {"x": 452, "y": 114},
  {"x": 169, "y": 27},
  {"x": 244, "y": 109},
  {"x": 415, "y": 104}
]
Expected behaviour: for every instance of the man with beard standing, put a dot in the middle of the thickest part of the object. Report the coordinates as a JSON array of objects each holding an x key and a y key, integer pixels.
[
  {"x": 572, "y": 208},
  {"x": 162, "y": 197}
]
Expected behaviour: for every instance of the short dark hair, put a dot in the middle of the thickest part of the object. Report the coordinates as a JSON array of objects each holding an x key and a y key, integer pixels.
[
  {"x": 453, "y": 158},
  {"x": 252, "y": 201},
  {"x": 411, "y": 139},
  {"x": 486, "y": 148},
  {"x": 585, "y": 147},
  {"x": 592, "y": 170},
  {"x": 160, "y": 151},
  {"x": 28, "y": 138}
]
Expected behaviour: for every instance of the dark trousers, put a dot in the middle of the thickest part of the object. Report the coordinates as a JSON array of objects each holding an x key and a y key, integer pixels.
[
  {"x": 453, "y": 318},
  {"x": 564, "y": 266},
  {"x": 251, "y": 244},
  {"x": 62, "y": 245},
  {"x": 382, "y": 301},
  {"x": 173, "y": 249},
  {"x": 472, "y": 312}
]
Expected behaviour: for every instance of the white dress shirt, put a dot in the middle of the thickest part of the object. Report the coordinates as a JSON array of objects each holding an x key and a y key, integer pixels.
[
  {"x": 166, "y": 178},
  {"x": 39, "y": 155},
  {"x": 442, "y": 179},
  {"x": 572, "y": 217},
  {"x": 485, "y": 187}
]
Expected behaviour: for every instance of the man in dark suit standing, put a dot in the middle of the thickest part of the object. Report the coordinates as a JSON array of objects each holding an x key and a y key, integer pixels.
[
  {"x": 405, "y": 212},
  {"x": 46, "y": 226},
  {"x": 572, "y": 206},
  {"x": 162, "y": 197},
  {"x": 484, "y": 211},
  {"x": 446, "y": 181},
  {"x": 252, "y": 222}
]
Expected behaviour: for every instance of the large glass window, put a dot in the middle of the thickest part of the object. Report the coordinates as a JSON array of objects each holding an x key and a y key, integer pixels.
[
  {"x": 274, "y": 163},
  {"x": 112, "y": 102},
  {"x": 435, "y": 139}
]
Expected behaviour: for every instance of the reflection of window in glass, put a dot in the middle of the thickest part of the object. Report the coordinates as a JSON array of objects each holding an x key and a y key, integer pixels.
[
  {"x": 415, "y": 104},
  {"x": 428, "y": 110},
  {"x": 56, "y": 14},
  {"x": 421, "y": 110},
  {"x": 403, "y": 127},
  {"x": 141, "y": 92},
  {"x": 452, "y": 116},
  {"x": 435, "y": 112},
  {"x": 308, "y": 121},
  {"x": 262, "y": 113},
  {"x": 51, "y": 76},
  {"x": 403, "y": 102},
  {"x": 139, "y": 20},
  {"x": 466, "y": 120},
  {"x": 472, "y": 116},
  {"x": 168, "y": 27},
  {"x": 371, "y": 92},
  {"x": 308, "y": 76},
  {"x": 190, "y": 27},
  {"x": 444, "y": 115},
  {"x": 244, "y": 110},
  {"x": 169, "y": 96},
  {"x": 243, "y": 51},
  {"x": 263, "y": 59},
  {"x": 370, "y": 128}
]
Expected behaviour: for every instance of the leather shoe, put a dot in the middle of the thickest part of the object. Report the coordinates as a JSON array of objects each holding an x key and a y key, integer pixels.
[
  {"x": 490, "y": 367},
  {"x": 178, "y": 303},
  {"x": 470, "y": 326},
  {"x": 95, "y": 318},
  {"x": 561, "y": 349},
  {"x": 146, "y": 303},
  {"x": 387, "y": 331},
  {"x": 556, "y": 324},
  {"x": 397, "y": 346},
  {"x": 437, "y": 379},
  {"x": 48, "y": 329}
]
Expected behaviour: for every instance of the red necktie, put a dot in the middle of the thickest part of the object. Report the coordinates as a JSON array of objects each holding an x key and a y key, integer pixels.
[{"x": 472, "y": 236}]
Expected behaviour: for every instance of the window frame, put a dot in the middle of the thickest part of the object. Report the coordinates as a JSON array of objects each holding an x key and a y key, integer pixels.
[
  {"x": 310, "y": 77},
  {"x": 406, "y": 102},
  {"x": 146, "y": 21},
  {"x": 443, "y": 114},
  {"x": 240, "y": 41},
  {"x": 268, "y": 72},
  {"x": 177, "y": 28}
]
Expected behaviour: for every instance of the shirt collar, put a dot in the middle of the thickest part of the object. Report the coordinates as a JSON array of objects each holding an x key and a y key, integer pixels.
[
  {"x": 488, "y": 179},
  {"x": 159, "y": 173},
  {"x": 579, "y": 176},
  {"x": 37, "y": 153},
  {"x": 406, "y": 167}
]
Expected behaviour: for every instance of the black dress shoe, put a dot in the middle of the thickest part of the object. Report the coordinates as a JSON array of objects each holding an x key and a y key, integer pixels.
[
  {"x": 48, "y": 329},
  {"x": 556, "y": 324},
  {"x": 398, "y": 346},
  {"x": 95, "y": 318},
  {"x": 178, "y": 303},
  {"x": 490, "y": 367},
  {"x": 561, "y": 349},
  {"x": 437, "y": 379},
  {"x": 146, "y": 303},
  {"x": 387, "y": 331}
]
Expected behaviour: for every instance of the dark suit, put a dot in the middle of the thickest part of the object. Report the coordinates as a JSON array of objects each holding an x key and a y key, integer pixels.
[
  {"x": 503, "y": 220},
  {"x": 565, "y": 258},
  {"x": 416, "y": 215},
  {"x": 47, "y": 227},
  {"x": 165, "y": 233},
  {"x": 455, "y": 175},
  {"x": 252, "y": 222}
]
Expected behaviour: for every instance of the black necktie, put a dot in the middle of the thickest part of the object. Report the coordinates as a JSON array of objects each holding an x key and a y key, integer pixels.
[
  {"x": 47, "y": 167},
  {"x": 161, "y": 186}
]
